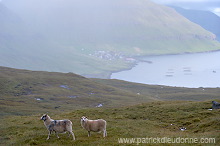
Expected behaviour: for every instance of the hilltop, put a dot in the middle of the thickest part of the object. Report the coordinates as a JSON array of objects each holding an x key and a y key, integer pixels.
[{"x": 94, "y": 38}]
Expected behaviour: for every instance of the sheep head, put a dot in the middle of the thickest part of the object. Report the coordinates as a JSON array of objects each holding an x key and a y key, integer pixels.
[
  {"x": 83, "y": 119},
  {"x": 44, "y": 117}
]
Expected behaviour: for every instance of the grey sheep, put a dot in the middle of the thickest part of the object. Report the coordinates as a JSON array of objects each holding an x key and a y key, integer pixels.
[{"x": 59, "y": 126}]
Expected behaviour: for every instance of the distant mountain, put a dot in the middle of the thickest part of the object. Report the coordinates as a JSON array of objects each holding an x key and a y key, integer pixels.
[
  {"x": 94, "y": 37},
  {"x": 206, "y": 19}
]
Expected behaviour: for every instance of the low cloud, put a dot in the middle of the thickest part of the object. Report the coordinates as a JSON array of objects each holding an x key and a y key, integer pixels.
[
  {"x": 181, "y": 1},
  {"x": 207, "y": 5},
  {"x": 217, "y": 11}
]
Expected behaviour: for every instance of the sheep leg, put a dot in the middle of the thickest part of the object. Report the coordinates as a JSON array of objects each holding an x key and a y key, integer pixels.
[
  {"x": 48, "y": 137},
  {"x": 89, "y": 133},
  {"x": 104, "y": 133},
  {"x": 72, "y": 135},
  {"x": 57, "y": 134}
]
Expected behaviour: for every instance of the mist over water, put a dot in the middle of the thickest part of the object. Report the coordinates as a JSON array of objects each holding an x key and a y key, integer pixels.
[{"x": 187, "y": 70}]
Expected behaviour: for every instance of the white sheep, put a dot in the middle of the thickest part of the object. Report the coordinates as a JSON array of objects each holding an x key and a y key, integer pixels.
[
  {"x": 94, "y": 125},
  {"x": 59, "y": 126}
]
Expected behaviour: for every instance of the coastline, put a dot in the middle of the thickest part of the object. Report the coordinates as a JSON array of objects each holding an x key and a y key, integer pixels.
[
  {"x": 191, "y": 70},
  {"x": 139, "y": 59}
]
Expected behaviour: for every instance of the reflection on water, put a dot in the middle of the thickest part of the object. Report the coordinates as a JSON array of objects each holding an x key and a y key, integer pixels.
[{"x": 186, "y": 70}]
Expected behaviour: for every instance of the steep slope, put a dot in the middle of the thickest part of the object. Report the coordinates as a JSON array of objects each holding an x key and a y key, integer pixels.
[
  {"x": 206, "y": 19},
  {"x": 72, "y": 32},
  {"x": 97, "y": 24}
]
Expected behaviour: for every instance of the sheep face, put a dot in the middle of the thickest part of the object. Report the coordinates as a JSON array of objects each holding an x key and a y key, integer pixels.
[
  {"x": 83, "y": 119},
  {"x": 44, "y": 117}
]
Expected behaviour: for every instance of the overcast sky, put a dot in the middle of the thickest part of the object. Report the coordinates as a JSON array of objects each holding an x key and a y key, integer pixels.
[{"x": 209, "y": 5}]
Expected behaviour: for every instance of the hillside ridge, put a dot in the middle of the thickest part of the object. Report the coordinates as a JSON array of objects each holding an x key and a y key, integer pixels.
[{"x": 24, "y": 92}]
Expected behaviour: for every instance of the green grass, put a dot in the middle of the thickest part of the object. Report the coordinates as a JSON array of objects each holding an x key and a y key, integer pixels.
[
  {"x": 158, "y": 92},
  {"x": 131, "y": 110},
  {"x": 151, "y": 119},
  {"x": 19, "y": 90}
]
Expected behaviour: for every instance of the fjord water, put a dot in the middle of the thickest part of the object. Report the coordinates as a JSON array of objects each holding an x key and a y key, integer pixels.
[{"x": 185, "y": 70}]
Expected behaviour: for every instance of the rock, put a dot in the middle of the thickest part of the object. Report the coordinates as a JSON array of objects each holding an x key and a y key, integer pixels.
[
  {"x": 99, "y": 105},
  {"x": 215, "y": 105}
]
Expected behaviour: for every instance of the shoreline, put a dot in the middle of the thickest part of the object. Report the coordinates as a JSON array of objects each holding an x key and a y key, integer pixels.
[
  {"x": 176, "y": 63},
  {"x": 185, "y": 53},
  {"x": 139, "y": 59}
]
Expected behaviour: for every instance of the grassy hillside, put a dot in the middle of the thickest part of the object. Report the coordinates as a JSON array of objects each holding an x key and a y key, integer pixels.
[
  {"x": 148, "y": 120},
  {"x": 28, "y": 92},
  {"x": 165, "y": 92},
  {"x": 131, "y": 110},
  {"x": 25, "y": 92},
  {"x": 206, "y": 19},
  {"x": 95, "y": 37}
]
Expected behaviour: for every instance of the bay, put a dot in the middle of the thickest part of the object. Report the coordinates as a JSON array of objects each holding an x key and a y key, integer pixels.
[{"x": 185, "y": 70}]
